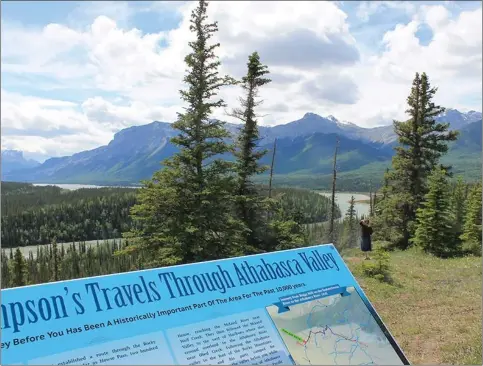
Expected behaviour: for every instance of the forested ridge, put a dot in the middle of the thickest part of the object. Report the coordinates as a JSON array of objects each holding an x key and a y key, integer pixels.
[
  {"x": 19, "y": 197},
  {"x": 36, "y": 215}
]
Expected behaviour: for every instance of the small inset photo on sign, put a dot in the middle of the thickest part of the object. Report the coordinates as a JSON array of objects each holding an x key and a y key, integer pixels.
[{"x": 335, "y": 330}]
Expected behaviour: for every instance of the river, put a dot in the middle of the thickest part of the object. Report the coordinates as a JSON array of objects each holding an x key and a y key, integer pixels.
[
  {"x": 342, "y": 199},
  {"x": 73, "y": 187},
  {"x": 33, "y": 248}
]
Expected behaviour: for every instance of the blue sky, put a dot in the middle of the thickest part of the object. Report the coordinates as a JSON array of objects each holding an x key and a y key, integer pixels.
[{"x": 75, "y": 73}]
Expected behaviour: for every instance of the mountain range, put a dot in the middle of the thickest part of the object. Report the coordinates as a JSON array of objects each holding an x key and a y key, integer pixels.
[
  {"x": 14, "y": 160},
  {"x": 304, "y": 147}
]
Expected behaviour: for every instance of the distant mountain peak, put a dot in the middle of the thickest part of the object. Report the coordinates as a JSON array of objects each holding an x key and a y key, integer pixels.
[
  {"x": 14, "y": 160},
  {"x": 16, "y": 154},
  {"x": 310, "y": 115}
]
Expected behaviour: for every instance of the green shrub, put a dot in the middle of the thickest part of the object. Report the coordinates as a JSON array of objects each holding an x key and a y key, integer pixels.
[{"x": 379, "y": 267}]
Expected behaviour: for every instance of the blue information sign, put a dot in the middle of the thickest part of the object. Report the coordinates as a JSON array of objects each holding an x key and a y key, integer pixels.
[{"x": 298, "y": 306}]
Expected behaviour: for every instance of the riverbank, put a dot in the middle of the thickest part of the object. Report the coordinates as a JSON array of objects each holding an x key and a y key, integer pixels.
[{"x": 33, "y": 248}]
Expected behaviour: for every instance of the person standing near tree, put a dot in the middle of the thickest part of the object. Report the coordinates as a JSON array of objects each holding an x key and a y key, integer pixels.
[{"x": 366, "y": 241}]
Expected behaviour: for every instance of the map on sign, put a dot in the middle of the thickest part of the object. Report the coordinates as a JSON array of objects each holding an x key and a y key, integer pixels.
[{"x": 333, "y": 330}]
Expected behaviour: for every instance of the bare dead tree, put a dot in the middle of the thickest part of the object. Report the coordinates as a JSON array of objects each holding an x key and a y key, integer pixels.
[
  {"x": 371, "y": 207},
  {"x": 334, "y": 178},
  {"x": 271, "y": 169}
]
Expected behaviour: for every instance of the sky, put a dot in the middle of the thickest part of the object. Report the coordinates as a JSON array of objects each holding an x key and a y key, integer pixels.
[{"x": 75, "y": 73}]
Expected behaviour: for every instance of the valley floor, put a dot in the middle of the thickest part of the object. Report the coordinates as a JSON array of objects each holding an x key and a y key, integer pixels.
[{"x": 433, "y": 309}]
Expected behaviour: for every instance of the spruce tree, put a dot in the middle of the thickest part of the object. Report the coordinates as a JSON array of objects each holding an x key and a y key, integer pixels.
[
  {"x": 285, "y": 230},
  {"x": 185, "y": 212},
  {"x": 471, "y": 236},
  {"x": 19, "y": 269},
  {"x": 459, "y": 206},
  {"x": 56, "y": 260},
  {"x": 435, "y": 221},
  {"x": 350, "y": 235},
  {"x": 385, "y": 186},
  {"x": 5, "y": 271},
  {"x": 422, "y": 141},
  {"x": 249, "y": 203},
  {"x": 351, "y": 211}
]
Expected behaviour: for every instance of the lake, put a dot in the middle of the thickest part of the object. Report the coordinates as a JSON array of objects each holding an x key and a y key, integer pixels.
[{"x": 343, "y": 198}]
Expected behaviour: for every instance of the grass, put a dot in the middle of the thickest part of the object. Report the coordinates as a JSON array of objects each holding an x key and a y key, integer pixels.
[{"x": 433, "y": 308}]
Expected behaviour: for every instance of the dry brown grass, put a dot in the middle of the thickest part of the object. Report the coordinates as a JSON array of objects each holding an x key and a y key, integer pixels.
[{"x": 434, "y": 307}]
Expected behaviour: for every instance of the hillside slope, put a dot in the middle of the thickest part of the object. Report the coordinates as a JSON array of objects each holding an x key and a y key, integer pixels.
[{"x": 305, "y": 147}]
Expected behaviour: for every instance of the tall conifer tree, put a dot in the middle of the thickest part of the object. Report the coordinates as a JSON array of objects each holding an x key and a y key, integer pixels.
[
  {"x": 185, "y": 210},
  {"x": 249, "y": 201},
  {"x": 350, "y": 224},
  {"x": 422, "y": 141}
]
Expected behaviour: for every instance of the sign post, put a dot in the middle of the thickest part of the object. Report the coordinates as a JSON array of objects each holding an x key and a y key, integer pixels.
[{"x": 299, "y": 306}]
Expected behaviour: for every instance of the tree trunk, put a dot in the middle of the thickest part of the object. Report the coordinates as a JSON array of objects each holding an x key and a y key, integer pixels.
[
  {"x": 271, "y": 169},
  {"x": 334, "y": 177}
]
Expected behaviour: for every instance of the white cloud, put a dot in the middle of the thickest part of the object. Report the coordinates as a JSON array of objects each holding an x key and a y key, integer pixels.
[
  {"x": 436, "y": 16},
  {"x": 317, "y": 66},
  {"x": 46, "y": 128},
  {"x": 115, "y": 116},
  {"x": 30, "y": 113},
  {"x": 452, "y": 61},
  {"x": 41, "y": 148}
]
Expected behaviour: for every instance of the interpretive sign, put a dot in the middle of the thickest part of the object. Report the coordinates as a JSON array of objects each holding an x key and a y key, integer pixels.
[{"x": 298, "y": 306}]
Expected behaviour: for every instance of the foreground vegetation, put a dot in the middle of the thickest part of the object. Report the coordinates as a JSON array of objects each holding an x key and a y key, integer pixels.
[
  {"x": 418, "y": 205},
  {"x": 432, "y": 308}
]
